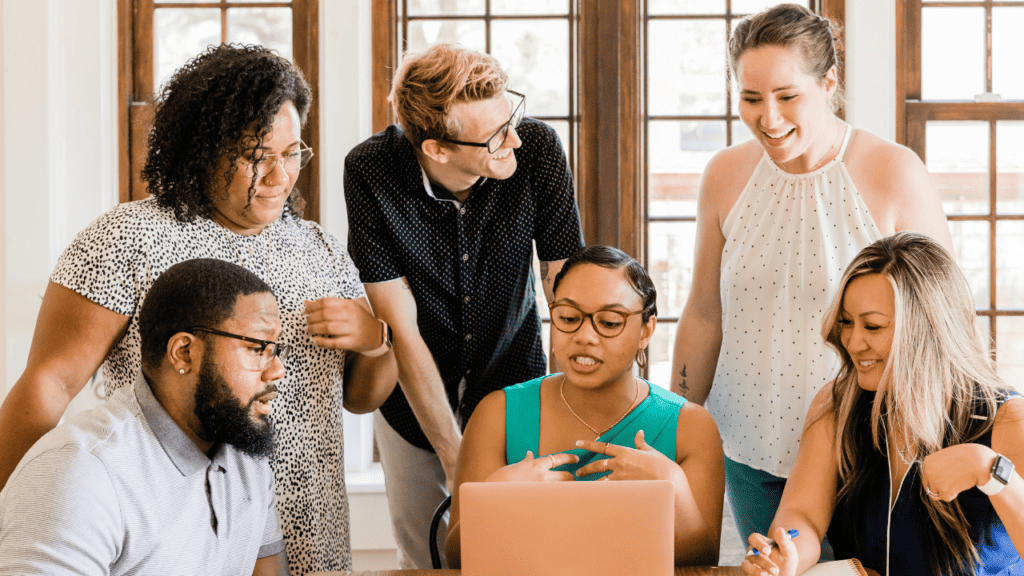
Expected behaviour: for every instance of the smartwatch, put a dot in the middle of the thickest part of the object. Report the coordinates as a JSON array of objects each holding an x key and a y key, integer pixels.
[
  {"x": 385, "y": 341},
  {"x": 1001, "y": 470}
]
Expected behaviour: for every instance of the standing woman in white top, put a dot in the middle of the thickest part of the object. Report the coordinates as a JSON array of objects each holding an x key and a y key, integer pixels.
[{"x": 779, "y": 218}]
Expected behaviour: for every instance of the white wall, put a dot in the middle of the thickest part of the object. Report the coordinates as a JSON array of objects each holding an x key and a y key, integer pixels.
[
  {"x": 59, "y": 145},
  {"x": 871, "y": 65},
  {"x": 3, "y": 252}
]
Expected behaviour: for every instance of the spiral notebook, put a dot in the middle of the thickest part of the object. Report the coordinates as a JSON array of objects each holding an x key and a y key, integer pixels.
[{"x": 559, "y": 528}]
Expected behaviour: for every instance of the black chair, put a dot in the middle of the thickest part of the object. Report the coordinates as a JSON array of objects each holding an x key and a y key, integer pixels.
[{"x": 435, "y": 554}]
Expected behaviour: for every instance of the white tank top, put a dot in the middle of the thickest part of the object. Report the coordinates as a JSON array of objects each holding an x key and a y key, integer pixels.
[{"x": 788, "y": 240}]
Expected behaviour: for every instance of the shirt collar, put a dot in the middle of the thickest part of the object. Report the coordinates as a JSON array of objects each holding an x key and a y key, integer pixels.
[
  {"x": 430, "y": 189},
  {"x": 182, "y": 451}
]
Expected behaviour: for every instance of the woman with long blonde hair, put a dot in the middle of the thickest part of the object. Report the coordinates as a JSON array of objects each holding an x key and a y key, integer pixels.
[{"x": 907, "y": 460}]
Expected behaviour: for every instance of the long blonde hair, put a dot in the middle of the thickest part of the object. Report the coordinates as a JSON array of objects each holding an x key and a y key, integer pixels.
[{"x": 937, "y": 376}]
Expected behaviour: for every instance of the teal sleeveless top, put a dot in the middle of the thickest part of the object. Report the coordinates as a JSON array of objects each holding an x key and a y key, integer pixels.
[{"x": 657, "y": 416}]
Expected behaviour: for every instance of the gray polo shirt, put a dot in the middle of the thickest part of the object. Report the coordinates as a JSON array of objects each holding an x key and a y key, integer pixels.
[{"x": 121, "y": 489}]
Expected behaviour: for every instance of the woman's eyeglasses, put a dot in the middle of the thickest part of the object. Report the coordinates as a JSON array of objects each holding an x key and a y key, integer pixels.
[
  {"x": 267, "y": 163},
  {"x": 608, "y": 323}
]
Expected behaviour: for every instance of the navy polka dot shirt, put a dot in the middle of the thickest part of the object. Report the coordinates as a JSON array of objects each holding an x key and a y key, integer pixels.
[{"x": 469, "y": 265}]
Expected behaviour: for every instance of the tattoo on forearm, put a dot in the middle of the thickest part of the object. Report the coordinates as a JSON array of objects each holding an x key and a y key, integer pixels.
[{"x": 682, "y": 386}]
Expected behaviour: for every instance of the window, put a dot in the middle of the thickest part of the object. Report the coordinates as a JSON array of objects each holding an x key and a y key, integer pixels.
[
  {"x": 156, "y": 37},
  {"x": 960, "y": 101}
]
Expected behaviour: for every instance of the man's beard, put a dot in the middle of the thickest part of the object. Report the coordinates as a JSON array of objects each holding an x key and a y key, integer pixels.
[{"x": 223, "y": 418}]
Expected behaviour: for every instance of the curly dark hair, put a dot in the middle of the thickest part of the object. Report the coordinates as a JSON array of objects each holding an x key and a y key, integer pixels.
[{"x": 203, "y": 112}]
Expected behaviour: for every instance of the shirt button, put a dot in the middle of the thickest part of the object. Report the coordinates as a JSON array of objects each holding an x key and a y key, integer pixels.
[
  {"x": 465, "y": 257},
  {"x": 469, "y": 336},
  {"x": 462, "y": 211},
  {"x": 466, "y": 299}
]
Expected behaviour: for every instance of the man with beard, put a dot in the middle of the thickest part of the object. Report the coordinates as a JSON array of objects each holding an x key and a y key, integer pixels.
[{"x": 170, "y": 475}]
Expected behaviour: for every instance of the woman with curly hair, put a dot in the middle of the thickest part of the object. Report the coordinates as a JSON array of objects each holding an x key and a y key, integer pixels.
[
  {"x": 908, "y": 456},
  {"x": 224, "y": 153}
]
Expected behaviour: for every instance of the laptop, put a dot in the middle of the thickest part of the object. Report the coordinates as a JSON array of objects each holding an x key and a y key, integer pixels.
[{"x": 563, "y": 528}]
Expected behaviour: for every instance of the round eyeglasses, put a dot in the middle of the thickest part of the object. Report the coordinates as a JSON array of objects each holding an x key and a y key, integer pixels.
[
  {"x": 608, "y": 323},
  {"x": 517, "y": 102},
  {"x": 266, "y": 349},
  {"x": 267, "y": 163}
]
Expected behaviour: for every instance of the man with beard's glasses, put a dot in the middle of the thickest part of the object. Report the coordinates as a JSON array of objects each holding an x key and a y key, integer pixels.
[{"x": 170, "y": 475}]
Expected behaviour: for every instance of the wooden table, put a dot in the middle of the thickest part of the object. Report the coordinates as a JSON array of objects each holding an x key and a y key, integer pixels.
[{"x": 695, "y": 571}]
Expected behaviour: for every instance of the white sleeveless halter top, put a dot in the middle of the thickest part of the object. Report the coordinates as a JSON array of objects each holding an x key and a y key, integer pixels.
[{"x": 788, "y": 240}]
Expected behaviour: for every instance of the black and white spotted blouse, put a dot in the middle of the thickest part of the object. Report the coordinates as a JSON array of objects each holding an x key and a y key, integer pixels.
[
  {"x": 469, "y": 264},
  {"x": 115, "y": 261}
]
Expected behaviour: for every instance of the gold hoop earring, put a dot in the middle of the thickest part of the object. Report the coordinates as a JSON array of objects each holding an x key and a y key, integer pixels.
[{"x": 641, "y": 358}]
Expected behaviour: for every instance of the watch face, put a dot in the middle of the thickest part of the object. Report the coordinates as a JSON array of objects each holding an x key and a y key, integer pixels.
[{"x": 1002, "y": 469}]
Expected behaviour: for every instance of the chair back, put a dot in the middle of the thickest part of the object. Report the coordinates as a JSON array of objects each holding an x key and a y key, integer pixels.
[{"x": 435, "y": 523}]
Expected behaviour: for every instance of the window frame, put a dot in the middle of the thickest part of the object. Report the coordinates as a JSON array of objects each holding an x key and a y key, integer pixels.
[
  {"x": 135, "y": 90},
  {"x": 913, "y": 113}
]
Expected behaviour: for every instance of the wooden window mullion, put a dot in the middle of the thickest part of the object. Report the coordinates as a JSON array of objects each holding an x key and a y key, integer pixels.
[
  {"x": 992, "y": 215},
  {"x": 988, "y": 47}
]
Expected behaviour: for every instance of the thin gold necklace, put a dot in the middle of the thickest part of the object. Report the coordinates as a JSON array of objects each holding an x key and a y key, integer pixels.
[{"x": 636, "y": 394}]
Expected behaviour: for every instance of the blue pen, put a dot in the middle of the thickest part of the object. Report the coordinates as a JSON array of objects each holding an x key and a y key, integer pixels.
[{"x": 793, "y": 533}]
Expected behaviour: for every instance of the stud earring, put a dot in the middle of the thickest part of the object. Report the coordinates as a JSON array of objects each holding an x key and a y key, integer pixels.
[{"x": 181, "y": 371}]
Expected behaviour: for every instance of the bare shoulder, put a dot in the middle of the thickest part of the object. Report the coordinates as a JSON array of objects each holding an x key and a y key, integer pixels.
[
  {"x": 696, "y": 431},
  {"x": 821, "y": 408},
  {"x": 879, "y": 160},
  {"x": 1008, "y": 430},
  {"x": 485, "y": 432},
  {"x": 823, "y": 397},
  {"x": 727, "y": 174},
  {"x": 734, "y": 164},
  {"x": 491, "y": 409},
  {"x": 1011, "y": 414},
  {"x": 897, "y": 189}
]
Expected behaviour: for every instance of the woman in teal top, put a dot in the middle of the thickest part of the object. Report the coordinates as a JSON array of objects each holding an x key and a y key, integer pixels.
[{"x": 596, "y": 420}]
